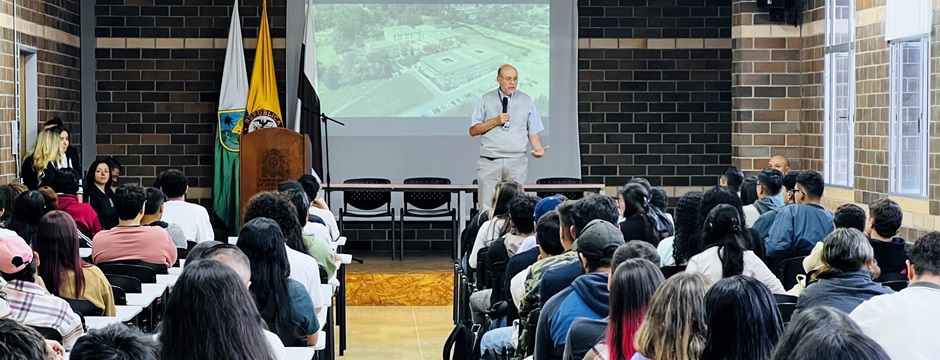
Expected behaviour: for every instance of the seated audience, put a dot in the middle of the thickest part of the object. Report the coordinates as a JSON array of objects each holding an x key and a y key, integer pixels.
[
  {"x": 676, "y": 250},
  {"x": 890, "y": 249},
  {"x": 99, "y": 193},
  {"x": 192, "y": 218},
  {"x": 318, "y": 207},
  {"x": 830, "y": 344},
  {"x": 766, "y": 220},
  {"x": 541, "y": 208},
  {"x": 845, "y": 278},
  {"x": 303, "y": 267},
  {"x": 742, "y": 318},
  {"x": 809, "y": 323},
  {"x": 556, "y": 279},
  {"x": 850, "y": 216},
  {"x": 674, "y": 326},
  {"x": 229, "y": 326},
  {"x": 721, "y": 195},
  {"x": 21, "y": 342},
  {"x": 797, "y": 229},
  {"x": 724, "y": 255},
  {"x": 588, "y": 295},
  {"x": 637, "y": 223},
  {"x": 732, "y": 179},
  {"x": 198, "y": 250},
  {"x": 115, "y": 342},
  {"x": 779, "y": 163},
  {"x": 522, "y": 224},
  {"x": 39, "y": 165},
  {"x": 7, "y": 197},
  {"x": 29, "y": 207},
  {"x": 903, "y": 322},
  {"x": 26, "y": 295},
  {"x": 549, "y": 245},
  {"x": 325, "y": 257},
  {"x": 498, "y": 223},
  {"x": 585, "y": 332},
  {"x": 749, "y": 191},
  {"x": 659, "y": 201},
  {"x": 284, "y": 303},
  {"x": 64, "y": 272},
  {"x": 65, "y": 185},
  {"x": 153, "y": 216},
  {"x": 129, "y": 240},
  {"x": 768, "y": 186},
  {"x": 116, "y": 170}
]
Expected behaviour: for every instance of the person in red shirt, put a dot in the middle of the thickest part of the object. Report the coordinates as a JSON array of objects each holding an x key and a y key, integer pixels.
[
  {"x": 129, "y": 240},
  {"x": 65, "y": 184}
]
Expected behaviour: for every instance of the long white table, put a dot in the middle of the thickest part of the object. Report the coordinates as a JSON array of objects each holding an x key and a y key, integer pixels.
[{"x": 122, "y": 314}]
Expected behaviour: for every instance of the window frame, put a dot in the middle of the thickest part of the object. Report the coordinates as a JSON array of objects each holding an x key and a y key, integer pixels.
[
  {"x": 831, "y": 50},
  {"x": 895, "y": 125}
]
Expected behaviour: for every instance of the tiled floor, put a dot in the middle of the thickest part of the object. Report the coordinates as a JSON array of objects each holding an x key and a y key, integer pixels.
[{"x": 397, "y": 332}]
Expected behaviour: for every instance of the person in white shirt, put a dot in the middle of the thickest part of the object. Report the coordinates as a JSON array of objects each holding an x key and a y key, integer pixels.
[
  {"x": 904, "y": 323},
  {"x": 192, "y": 218},
  {"x": 498, "y": 223},
  {"x": 725, "y": 255},
  {"x": 318, "y": 207}
]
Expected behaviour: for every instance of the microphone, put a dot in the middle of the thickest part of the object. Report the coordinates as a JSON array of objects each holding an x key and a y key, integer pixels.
[{"x": 505, "y": 106}]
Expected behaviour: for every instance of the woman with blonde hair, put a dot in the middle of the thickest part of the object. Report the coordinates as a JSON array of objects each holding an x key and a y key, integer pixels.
[
  {"x": 48, "y": 154},
  {"x": 674, "y": 327}
]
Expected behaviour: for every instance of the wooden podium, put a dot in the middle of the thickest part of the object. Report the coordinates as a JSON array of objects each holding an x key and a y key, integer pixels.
[{"x": 269, "y": 156}]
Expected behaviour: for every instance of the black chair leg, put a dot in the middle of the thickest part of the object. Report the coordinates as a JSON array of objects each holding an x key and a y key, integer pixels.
[{"x": 392, "y": 233}]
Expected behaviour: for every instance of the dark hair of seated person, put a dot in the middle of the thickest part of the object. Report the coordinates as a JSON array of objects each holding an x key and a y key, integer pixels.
[
  {"x": 115, "y": 342},
  {"x": 20, "y": 342},
  {"x": 229, "y": 325}
]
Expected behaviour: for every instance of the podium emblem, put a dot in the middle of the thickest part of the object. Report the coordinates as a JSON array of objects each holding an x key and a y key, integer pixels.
[{"x": 263, "y": 119}]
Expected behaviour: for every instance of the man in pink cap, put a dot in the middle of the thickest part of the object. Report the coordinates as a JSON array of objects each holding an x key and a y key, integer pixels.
[{"x": 27, "y": 297}]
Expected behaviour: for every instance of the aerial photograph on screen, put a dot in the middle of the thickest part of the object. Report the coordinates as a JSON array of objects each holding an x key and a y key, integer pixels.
[{"x": 426, "y": 60}]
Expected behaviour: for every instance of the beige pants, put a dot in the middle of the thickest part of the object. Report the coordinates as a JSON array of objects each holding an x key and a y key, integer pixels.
[{"x": 491, "y": 172}]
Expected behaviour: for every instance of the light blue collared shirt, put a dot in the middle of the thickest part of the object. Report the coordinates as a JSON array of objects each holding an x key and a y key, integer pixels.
[{"x": 533, "y": 122}]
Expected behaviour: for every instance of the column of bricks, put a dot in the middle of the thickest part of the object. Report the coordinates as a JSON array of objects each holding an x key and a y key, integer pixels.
[{"x": 765, "y": 88}]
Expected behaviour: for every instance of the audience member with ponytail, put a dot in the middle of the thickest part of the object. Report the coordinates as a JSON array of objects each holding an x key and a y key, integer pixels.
[
  {"x": 725, "y": 254},
  {"x": 637, "y": 223},
  {"x": 498, "y": 223}
]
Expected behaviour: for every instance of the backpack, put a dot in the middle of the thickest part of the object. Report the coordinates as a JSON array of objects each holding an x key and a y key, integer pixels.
[
  {"x": 469, "y": 234},
  {"x": 460, "y": 342},
  {"x": 496, "y": 260},
  {"x": 664, "y": 227}
]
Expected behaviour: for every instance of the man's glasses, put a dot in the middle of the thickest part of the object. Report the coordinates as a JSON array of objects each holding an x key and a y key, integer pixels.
[{"x": 510, "y": 79}]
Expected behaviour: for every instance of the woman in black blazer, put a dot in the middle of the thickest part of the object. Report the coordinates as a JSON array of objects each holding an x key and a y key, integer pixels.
[{"x": 98, "y": 193}]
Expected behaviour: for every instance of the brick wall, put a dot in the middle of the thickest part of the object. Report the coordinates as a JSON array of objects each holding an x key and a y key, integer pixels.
[
  {"x": 765, "y": 88},
  {"x": 53, "y": 30},
  {"x": 159, "y": 68},
  {"x": 654, "y": 91},
  {"x": 871, "y": 130}
]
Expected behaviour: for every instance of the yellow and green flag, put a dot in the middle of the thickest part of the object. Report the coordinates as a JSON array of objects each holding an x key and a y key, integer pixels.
[
  {"x": 231, "y": 116},
  {"x": 264, "y": 109}
]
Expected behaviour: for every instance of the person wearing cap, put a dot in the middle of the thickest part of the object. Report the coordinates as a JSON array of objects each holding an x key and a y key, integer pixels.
[
  {"x": 26, "y": 295},
  {"x": 545, "y": 205},
  {"x": 588, "y": 295}
]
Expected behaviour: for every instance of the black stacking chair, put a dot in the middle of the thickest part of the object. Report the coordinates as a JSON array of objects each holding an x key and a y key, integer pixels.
[
  {"x": 157, "y": 268},
  {"x": 669, "y": 271},
  {"x": 789, "y": 269},
  {"x": 368, "y": 204},
  {"x": 84, "y": 307},
  {"x": 120, "y": 297},
  {"x": 48, "y": 333},
  {"x": 428, "y": 204},
  {"x": 896, "y": 285},
  {"x": 126, "y": 283},
  {"x": 571, "y": 195},
  {"x": 786, "y": 304},
  {"x": 143, "y": 274}
]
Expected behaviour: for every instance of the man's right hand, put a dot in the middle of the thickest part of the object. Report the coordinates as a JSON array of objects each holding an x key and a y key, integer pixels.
[{"x": 503, "y": 118}]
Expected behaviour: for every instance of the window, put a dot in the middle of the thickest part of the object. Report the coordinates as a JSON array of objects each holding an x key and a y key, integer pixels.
[
  {"x": 839, "y": 92},
  {"x": 909, "y": 115}
]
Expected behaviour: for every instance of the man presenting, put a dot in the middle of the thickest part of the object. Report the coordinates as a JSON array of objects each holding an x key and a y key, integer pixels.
[{"x": 506, "y": 119}]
